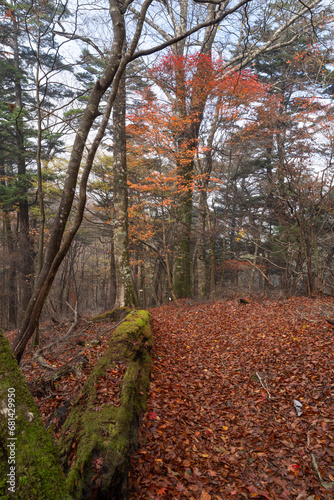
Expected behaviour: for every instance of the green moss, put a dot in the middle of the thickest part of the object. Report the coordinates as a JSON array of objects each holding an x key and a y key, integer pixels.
[
  {"x": 37, "y": 467},
  {"x": 3, "y": 472},
  {"x": 116, "y": 314},
  {"x": 110, "y": 432}
]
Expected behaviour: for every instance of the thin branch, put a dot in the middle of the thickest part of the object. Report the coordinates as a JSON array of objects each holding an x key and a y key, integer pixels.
[
  {"x": 151, "y": 24},
  {"x": 72, "y": 36},
  {"x": 270, "y": 46},
  {"x": 220, "y": 18},
  {"x": 258, "y": 269},
  {"x": 187, "y": 33},
  {"x": 264, "y": 385}
]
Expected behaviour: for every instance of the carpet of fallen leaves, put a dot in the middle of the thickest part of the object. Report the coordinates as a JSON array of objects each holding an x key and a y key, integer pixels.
[{"x": 221, "y": 421}]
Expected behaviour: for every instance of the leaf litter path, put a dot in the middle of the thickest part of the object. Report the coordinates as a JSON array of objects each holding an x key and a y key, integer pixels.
[{"x": 211, "y": 431}]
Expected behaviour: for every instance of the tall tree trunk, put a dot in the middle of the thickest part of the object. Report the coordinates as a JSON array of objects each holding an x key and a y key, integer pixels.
[
  {"x": 25, "y": 244},
  {"x": 201, "y": 245},
  {"x": 113, "y": 285},
  {"x": 58, "y": 246},
  {"x": 204, "y": 214},
  {"x": 182, "y": 261},
  {"x": 212, "y": 254},
  {"x": 40, "y": 253},
  {"x": 11, "y": 287},
  {"x": 165, "y": 249},
  {"x": 125, "y": 294},
  {"x": 187, "y": 146}
]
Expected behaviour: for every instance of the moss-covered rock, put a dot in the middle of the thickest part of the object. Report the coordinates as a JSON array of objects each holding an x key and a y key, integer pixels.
[
  {"x": 29, "y": 460},
  {"x": 112, "y": 316},
  {"x": 98, "y": 437}
]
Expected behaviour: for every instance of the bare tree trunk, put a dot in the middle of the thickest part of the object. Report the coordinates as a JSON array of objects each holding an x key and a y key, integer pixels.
[
  {"x": 204, "y": 214},
  {"x": 57, "y": 248},
  {"x": 212, "y": 255},
  {"x": 125, "y": 295},
  {"x": 165, "y": 248},
  {"x": 113, "y": 286},
  {"x": 201, "y": 244}
]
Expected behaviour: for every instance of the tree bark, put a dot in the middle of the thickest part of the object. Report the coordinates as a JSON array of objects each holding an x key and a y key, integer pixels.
[
  {"x": 11, "y": 287},
  {"x": 204, "y": 218},
  {"x": 201, "y": 264},
  {"x": 113, "y": 285},
  {"x": 125, "y": 292}
]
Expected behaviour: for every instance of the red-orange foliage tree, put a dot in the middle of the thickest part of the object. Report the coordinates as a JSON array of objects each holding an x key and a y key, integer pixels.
[
  {"x": 285, "y": 154},
  {"x": 165, "y": 143}
]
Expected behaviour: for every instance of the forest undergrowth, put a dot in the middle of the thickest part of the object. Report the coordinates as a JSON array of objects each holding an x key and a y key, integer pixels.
[{"x": 221, "y": 419}]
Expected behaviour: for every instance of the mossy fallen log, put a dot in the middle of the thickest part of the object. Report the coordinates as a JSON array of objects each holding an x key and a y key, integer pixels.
[
  {"x": 98, "y": 436},
  {"x": 29, "y": 463},
  {"x": 116, "y": 314}
]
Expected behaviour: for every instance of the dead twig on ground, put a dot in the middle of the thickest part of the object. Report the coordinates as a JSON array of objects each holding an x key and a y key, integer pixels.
[{"x": 264, "y": 385}]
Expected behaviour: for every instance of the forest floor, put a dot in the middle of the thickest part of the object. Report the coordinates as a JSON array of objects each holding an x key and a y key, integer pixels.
[{"x": 221, "y": 422}]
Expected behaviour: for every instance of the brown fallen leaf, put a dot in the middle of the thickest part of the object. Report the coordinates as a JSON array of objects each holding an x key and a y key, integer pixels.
[
  {"x": 188, "y": 477},
  {"x": 205, "y": 496}
]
